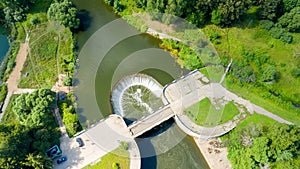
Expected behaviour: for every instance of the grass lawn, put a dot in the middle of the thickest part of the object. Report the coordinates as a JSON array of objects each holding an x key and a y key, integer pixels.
[
  {"x": 204, "y": 113},
  {"x": 119, "y": 156},
  {"x": 51, "y": 50},
  {"x": 214, "y": 72},
  {"x": 234, "y": 40},
  {"x": 256, "y": 119},
  {"x": 8, "y": 115},
  {"x": 254, "y": 95}
]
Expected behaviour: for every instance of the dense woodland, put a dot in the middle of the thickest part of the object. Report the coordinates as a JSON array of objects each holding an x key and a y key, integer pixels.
[
  {"x": 28, "y": 131},
  {"x": 280, "y": 17},
  {"x": 264, "y": 146},
  {"x": 28, "y": 127}
]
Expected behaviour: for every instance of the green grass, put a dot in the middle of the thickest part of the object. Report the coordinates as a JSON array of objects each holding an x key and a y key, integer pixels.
[
  {"x": 214, "y": 72},
  {"x": 9, "y": 116},
  {"x": 255, "y": 96},
  {"x": 234, "y": 40},
  {"x": 204, "y": 113},
  {"x": 47, "y": 42},
  {"x": 256, "y": 119},
  {"x": 119, "y": 155}
]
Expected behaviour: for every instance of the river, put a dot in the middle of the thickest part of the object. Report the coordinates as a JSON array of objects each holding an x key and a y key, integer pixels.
[
  {"x": 111, "y": 49},
  {"x": 4, "y": 45}
]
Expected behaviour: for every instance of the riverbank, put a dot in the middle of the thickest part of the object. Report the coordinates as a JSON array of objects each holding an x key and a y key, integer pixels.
[{"x": 214, "y": 154}]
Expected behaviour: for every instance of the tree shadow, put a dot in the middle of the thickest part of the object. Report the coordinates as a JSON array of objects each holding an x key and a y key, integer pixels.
[{"x": 85, "y": 20}]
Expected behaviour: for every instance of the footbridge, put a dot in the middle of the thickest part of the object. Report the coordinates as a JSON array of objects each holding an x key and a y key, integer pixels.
[
  {"x": 147, "y": 123},
  {"x": 172, "y": 95}
]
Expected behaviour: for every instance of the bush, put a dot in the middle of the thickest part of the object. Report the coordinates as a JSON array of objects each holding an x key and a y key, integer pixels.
[
  {"x": 3, "y": 93},
  {"x": 282, "y": 34},
  {"x": 116, "y": 165},
  {"x": 295, "y": 72},
  {"x": 276, "y": 32},
  {"x": 286, "y": 37},
  {"x": 269, "y": 74},
  {"x": 266, "y": 24},
  {"x": 67, "y": 81}
]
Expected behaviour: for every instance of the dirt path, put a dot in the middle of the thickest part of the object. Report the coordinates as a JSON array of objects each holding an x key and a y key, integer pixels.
[{"x": 14, "y": 78}]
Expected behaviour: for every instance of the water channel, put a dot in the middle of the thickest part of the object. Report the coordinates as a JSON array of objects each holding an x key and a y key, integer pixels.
[{"x": 110, "y": 50}]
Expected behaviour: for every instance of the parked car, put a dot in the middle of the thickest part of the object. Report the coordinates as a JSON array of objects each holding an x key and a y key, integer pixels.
[
  {"x": 61, "y": 159},
  {"x": 80, "y": 142}
]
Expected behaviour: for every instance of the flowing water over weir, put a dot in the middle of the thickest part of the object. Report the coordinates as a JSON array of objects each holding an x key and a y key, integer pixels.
[
  {"x": 107, "y": 56},
  {"x": 136, "y": 93}
]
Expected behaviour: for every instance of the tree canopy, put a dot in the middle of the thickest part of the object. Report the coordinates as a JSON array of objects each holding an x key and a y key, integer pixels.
[
  {"x": 34, "y": 109},
  {"x": 272, "y": 146},
  {"x": 23, "y": 142},
  {"x": 64, "y": 13}
]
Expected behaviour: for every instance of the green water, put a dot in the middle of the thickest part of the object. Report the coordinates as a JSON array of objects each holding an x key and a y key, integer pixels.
[
  {"x": 3, "y": 46},
  {"x": 110, "y": 49}
]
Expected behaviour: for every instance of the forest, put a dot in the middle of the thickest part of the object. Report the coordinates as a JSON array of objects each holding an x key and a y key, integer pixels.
[{"x": 28, "y": 130}]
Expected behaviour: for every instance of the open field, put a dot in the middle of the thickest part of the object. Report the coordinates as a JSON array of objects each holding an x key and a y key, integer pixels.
[{"x": 51, "y": 53}]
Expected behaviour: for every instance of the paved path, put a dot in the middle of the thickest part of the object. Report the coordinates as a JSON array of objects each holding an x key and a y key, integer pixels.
[
  {"x": 102, "y": 138},
  {"x": 190, "y": 90},
  {"x": 161, "y": 35}
]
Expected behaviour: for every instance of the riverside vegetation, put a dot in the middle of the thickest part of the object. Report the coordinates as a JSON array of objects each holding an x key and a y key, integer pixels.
[
  {"x": 262, "y": 37},
  {"x": 29, "y": 118}
]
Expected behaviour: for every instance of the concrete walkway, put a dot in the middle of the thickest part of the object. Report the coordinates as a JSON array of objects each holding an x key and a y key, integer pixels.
[
  {"x": 189, "y": 90},
  {"x": 100, "y": 139}
]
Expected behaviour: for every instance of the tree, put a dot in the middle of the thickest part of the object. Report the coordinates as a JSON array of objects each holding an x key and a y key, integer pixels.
[
  {"x": 71, "y": 122},
  {"x": 291, "y": 20},
  {"x": 290, "y": 4},
  {"x": 64, "y": 13},
  {"x": 270, "y": 9},
  {"x": 260, "y": 149},
  {"x": 231, "y": 10},
  {"x": 14, "y": 10},
  {"x": 34, "y": 109},
  {"x": 216, "y": 17},
  {"x": 38, "y": 161}
]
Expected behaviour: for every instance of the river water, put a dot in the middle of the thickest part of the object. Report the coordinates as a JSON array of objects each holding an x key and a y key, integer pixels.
[
  {"x": 4, "y": 45},
  {"x": 111, "y": 49}
]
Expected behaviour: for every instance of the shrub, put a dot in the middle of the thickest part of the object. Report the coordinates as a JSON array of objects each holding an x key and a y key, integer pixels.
[
  {"x": 276, "y": 32},
  {"x": 295, "y": 72},
  {"x": 269, "y": 74},
  {"x": 280, "y": 33},
  {"x": 3, "y": 93},
  {"x": 286, "y": 37},
  {"x": 67, "y": 81},
  {"x": 266, "y": 24},
  {"x": 115, "y": 165}
]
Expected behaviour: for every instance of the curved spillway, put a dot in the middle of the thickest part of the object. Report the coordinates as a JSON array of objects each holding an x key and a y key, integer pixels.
[{"x": 135, "y": 89}]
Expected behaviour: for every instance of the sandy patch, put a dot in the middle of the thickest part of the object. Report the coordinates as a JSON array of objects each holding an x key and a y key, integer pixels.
[{"x": 214, "y": 154}]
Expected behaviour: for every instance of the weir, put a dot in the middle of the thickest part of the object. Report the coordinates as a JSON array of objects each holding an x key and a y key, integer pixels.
[{"x": 136, "y": 91}]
